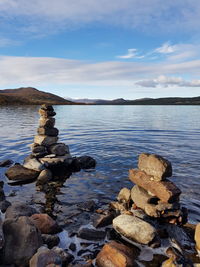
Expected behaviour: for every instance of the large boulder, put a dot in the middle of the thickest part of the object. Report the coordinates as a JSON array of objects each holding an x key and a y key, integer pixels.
[
  {"x": 155, "y": 165},
  {"x": 134, "y": 229},
  {"x": 18, "y": 209},
  {"x": 45, "y": 223},
  {"x": 45, "y": 257},
  {"x": 115, "y": 254},
  {"x": 22, "y": 239},
  {"x": 166, "y": 191},
  {"x": 19, "y": 172}
]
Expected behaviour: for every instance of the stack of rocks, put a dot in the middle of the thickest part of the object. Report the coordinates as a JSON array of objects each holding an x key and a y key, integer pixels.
[
  {"x": 46, "y": 147},
  {"x": 154, "y": 193},
  {"x": 49, "y": 158}
]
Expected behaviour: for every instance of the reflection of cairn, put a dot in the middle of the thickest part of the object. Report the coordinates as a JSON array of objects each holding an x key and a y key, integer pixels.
[{"x": 153, "y": 192}]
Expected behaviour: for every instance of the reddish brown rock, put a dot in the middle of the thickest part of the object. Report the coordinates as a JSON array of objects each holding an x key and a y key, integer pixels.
[
  {"x": 155, "y": 165},
  {"x": 44, "y": 223},
  {"x": 115, "y": 254},
  {"x": 166, "y": 191}
]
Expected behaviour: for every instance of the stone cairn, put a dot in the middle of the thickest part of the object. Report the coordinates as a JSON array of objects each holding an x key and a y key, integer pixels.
[
  {"x": 49, "y": 158},
  {"x": 152, "y": 199}
]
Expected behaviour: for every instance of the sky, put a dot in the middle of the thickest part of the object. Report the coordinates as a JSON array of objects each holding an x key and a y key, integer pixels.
[{"x": 101, "y": 49}]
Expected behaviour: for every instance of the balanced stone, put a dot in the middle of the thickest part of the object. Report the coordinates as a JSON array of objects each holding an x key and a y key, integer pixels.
[
  {"x": 166, "y": 191},
  {"x": 45, "y": 140},
  {"x": 134, "y": 228},
  {"x": 38, "y": 149},
  {"x": 141, "y": 198},
  {"x": 59, "y": 149},
  {"x": 55, "y": 160},
  {"x": 33, "y": 164},
  {"x": 155, "y": 165},
  {"x": 47, "y": 107},
  {"x": 46, "y": 113},
  {"x": 124, "y": 195},
  {"x": 47, "y": 122},
  {"x": 48, "y": 131}
]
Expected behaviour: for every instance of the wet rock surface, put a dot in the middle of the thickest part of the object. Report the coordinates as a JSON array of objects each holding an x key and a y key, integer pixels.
[
  {"x": 134, "y": 228},
  {"x": 18, "y": 209},
  {"x": 18, "y": 172},
  {"x": 22, "y": 240}
]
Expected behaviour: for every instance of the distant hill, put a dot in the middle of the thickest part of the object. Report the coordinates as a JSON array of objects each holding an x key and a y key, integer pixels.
[
  {"x": 154, "y": 101},
  {"x": 30, "y": 96},
  {"x": 142, "y": 101}
]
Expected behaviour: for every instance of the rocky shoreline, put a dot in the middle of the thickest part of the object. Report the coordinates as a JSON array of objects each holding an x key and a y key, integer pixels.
[{"x": 146, "y": 226}]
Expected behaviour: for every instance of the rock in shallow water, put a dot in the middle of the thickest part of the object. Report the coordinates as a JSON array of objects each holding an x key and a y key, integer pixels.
[
  {"x": 86, "y": 162},
  {"x": 45, "y": 257},
  {"x": 115, "y": 254},
  {"x": 22, "y": 240},
  {"x": 18, "y": 209},
  {"x": 6, "y": 163},
  {"x": 91, "y": 234},
  {"x": 45, "y": 223},
  {"x": 134, "y": 228},
  {"x": 20, "y": 173}
]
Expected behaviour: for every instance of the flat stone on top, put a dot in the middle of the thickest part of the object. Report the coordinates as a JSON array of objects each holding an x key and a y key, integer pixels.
[{"x": 155, "y": 165}]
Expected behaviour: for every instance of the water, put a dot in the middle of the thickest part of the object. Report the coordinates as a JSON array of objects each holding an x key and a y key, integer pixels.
[{"x": 114, "y": 136}]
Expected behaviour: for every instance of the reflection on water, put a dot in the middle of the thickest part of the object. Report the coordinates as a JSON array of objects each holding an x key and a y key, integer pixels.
[{"x": 114, "y": 136}]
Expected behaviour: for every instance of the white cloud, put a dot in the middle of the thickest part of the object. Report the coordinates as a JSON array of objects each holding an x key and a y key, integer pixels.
[
  {"x": 48, "y": 16},
  {"x": 132, "y": 53},
  {"x": 165, "y": 81},
  {"x": 166, "y": 48},
  {"x": 40, "y": 71}
]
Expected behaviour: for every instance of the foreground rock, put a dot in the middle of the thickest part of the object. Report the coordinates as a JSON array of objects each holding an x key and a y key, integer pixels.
[
  {"x": 22, "y": 239},
  {"x": 134, "y": 228},
  {"x": 45, "y": 257},
  {"x": 114, "y": 254},
  {"x": 18, "y": 172},
  {"x": 164, "y": 190},
  {"x": 45, "y": 223},
  {"x": 154, "y": 165}
]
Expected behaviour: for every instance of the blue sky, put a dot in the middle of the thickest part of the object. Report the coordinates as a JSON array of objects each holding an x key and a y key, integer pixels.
[{"x": 101, "y": 49}]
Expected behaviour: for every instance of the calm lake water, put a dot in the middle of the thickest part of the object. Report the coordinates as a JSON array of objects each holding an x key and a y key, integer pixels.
[{"x": 114, "y": 136}]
